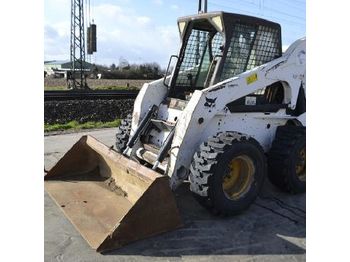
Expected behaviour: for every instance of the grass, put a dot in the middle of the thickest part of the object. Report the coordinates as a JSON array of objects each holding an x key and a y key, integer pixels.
[{"x": 75, "y": 125}]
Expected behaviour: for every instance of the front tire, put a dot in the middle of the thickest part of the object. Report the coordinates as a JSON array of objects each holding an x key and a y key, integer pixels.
[
  {"x": 123, "y": 134},
  {"x": 227, "y": 173}
]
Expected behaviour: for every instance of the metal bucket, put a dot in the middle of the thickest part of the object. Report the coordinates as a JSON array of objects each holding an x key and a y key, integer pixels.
[{"x": 110, "y": 199}]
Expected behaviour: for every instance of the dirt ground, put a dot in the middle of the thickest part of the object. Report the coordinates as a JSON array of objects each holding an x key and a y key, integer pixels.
[{"x": 269, "y": 230}]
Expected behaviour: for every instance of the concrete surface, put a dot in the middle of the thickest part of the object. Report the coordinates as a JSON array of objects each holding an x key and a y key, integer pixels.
[{"x": 269, "y": 231}]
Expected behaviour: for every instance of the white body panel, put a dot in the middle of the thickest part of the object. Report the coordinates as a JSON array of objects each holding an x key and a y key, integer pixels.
[
  {"x": 150, "y": 94},
  {"x": 200, "y": 119}
]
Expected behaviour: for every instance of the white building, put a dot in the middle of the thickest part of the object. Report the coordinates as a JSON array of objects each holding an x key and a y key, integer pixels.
[{"x": 59, "y": 68}]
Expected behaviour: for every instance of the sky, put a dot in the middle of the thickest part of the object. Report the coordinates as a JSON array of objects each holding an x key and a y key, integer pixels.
[{"x": 143, "y": 31}]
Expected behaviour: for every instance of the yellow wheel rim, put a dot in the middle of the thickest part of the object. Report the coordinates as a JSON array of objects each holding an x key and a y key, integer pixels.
[
  {"x": 239, "y": 178},
  {"x": 300, "y": 168}
]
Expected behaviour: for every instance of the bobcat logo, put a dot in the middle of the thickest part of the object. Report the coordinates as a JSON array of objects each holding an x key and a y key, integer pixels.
[{"x": 210, "y": 102}]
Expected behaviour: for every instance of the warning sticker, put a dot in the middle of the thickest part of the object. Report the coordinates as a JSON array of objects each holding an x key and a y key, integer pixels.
[
  {"x": 252, "y": 78},
  {"x": 250, "y": 100}
]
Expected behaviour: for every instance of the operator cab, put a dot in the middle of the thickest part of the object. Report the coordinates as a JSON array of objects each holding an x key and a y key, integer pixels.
[{"x": 217, "y": 46}]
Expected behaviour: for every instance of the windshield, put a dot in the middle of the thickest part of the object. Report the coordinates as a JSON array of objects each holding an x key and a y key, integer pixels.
[
  {"x": 250, "y": 46},
  {"x": 205, "y": 59},
  {"x": 201, "y": 48}
]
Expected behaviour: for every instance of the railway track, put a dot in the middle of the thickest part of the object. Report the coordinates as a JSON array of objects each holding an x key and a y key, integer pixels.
[{"x": 89, "y": 94}]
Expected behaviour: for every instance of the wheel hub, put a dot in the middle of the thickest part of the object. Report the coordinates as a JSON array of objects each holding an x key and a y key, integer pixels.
[{"x": 239, "y": 178}]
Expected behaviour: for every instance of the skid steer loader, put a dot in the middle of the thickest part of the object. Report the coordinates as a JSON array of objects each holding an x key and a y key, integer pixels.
[{"x": 231, "y": 112}]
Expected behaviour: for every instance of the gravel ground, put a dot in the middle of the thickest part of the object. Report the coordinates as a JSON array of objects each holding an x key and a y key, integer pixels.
[
  {"x": 267, "y": 231},
  {"x": 86, "y": 110}
]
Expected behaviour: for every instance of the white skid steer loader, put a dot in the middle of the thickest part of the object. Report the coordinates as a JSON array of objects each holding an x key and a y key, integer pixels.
[{"x": 232, "y": 111}]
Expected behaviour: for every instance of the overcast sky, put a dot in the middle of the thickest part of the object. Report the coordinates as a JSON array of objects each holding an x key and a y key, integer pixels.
[{"x": 146, "y": 30}]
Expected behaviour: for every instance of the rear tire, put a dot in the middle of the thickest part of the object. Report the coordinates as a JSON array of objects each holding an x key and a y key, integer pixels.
[
  {"x": 287, "y": 159},
  {"x": 227, "y": 173},
  {"x": 123, "y": 134}
]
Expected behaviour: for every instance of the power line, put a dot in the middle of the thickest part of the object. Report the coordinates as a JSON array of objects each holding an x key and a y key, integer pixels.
[
  {"x": 266, "y": 16},
  {"x": 262, "y": 6},
  {"x": 300, "y": 2},
  {"x": 288, "y": 3},
  {"x": 294, "y": 6},
  {"x": 255, "y": 13},
  {"x": 92, "y": 10},
  {"x": 280, "y": 12}
]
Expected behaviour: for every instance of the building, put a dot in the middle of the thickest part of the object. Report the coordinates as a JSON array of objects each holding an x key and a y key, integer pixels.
[{"x": 59, "y": 68}]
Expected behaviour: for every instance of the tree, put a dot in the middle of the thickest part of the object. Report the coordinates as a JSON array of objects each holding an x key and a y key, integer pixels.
[
  {"x": 112, "y": 67},
  {"x": 123, "y": 63}
]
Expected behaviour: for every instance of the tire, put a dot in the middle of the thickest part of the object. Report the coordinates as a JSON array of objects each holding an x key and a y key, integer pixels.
[
  {"x": 123, "y": 133},
  {"x": 287, "y": 159},
  {"x": 210, "y": 170}
]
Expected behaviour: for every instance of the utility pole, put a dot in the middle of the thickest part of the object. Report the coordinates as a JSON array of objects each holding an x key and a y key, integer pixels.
[
  {"x": 203, "y": 3},
  {"x": 205, "y": 6},
  {"x": 76, "y": 79}
]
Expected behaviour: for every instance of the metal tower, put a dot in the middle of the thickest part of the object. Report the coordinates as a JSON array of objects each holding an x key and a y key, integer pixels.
[
  {"x": 203, "y": 3},
  {"x": 77, "y": 78}
]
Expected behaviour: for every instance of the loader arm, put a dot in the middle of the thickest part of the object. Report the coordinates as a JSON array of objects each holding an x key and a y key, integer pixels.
[{"x": 290, "y": 69}]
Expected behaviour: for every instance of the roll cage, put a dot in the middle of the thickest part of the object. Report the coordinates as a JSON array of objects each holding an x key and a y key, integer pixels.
[{"x": 218, "y": 45}]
